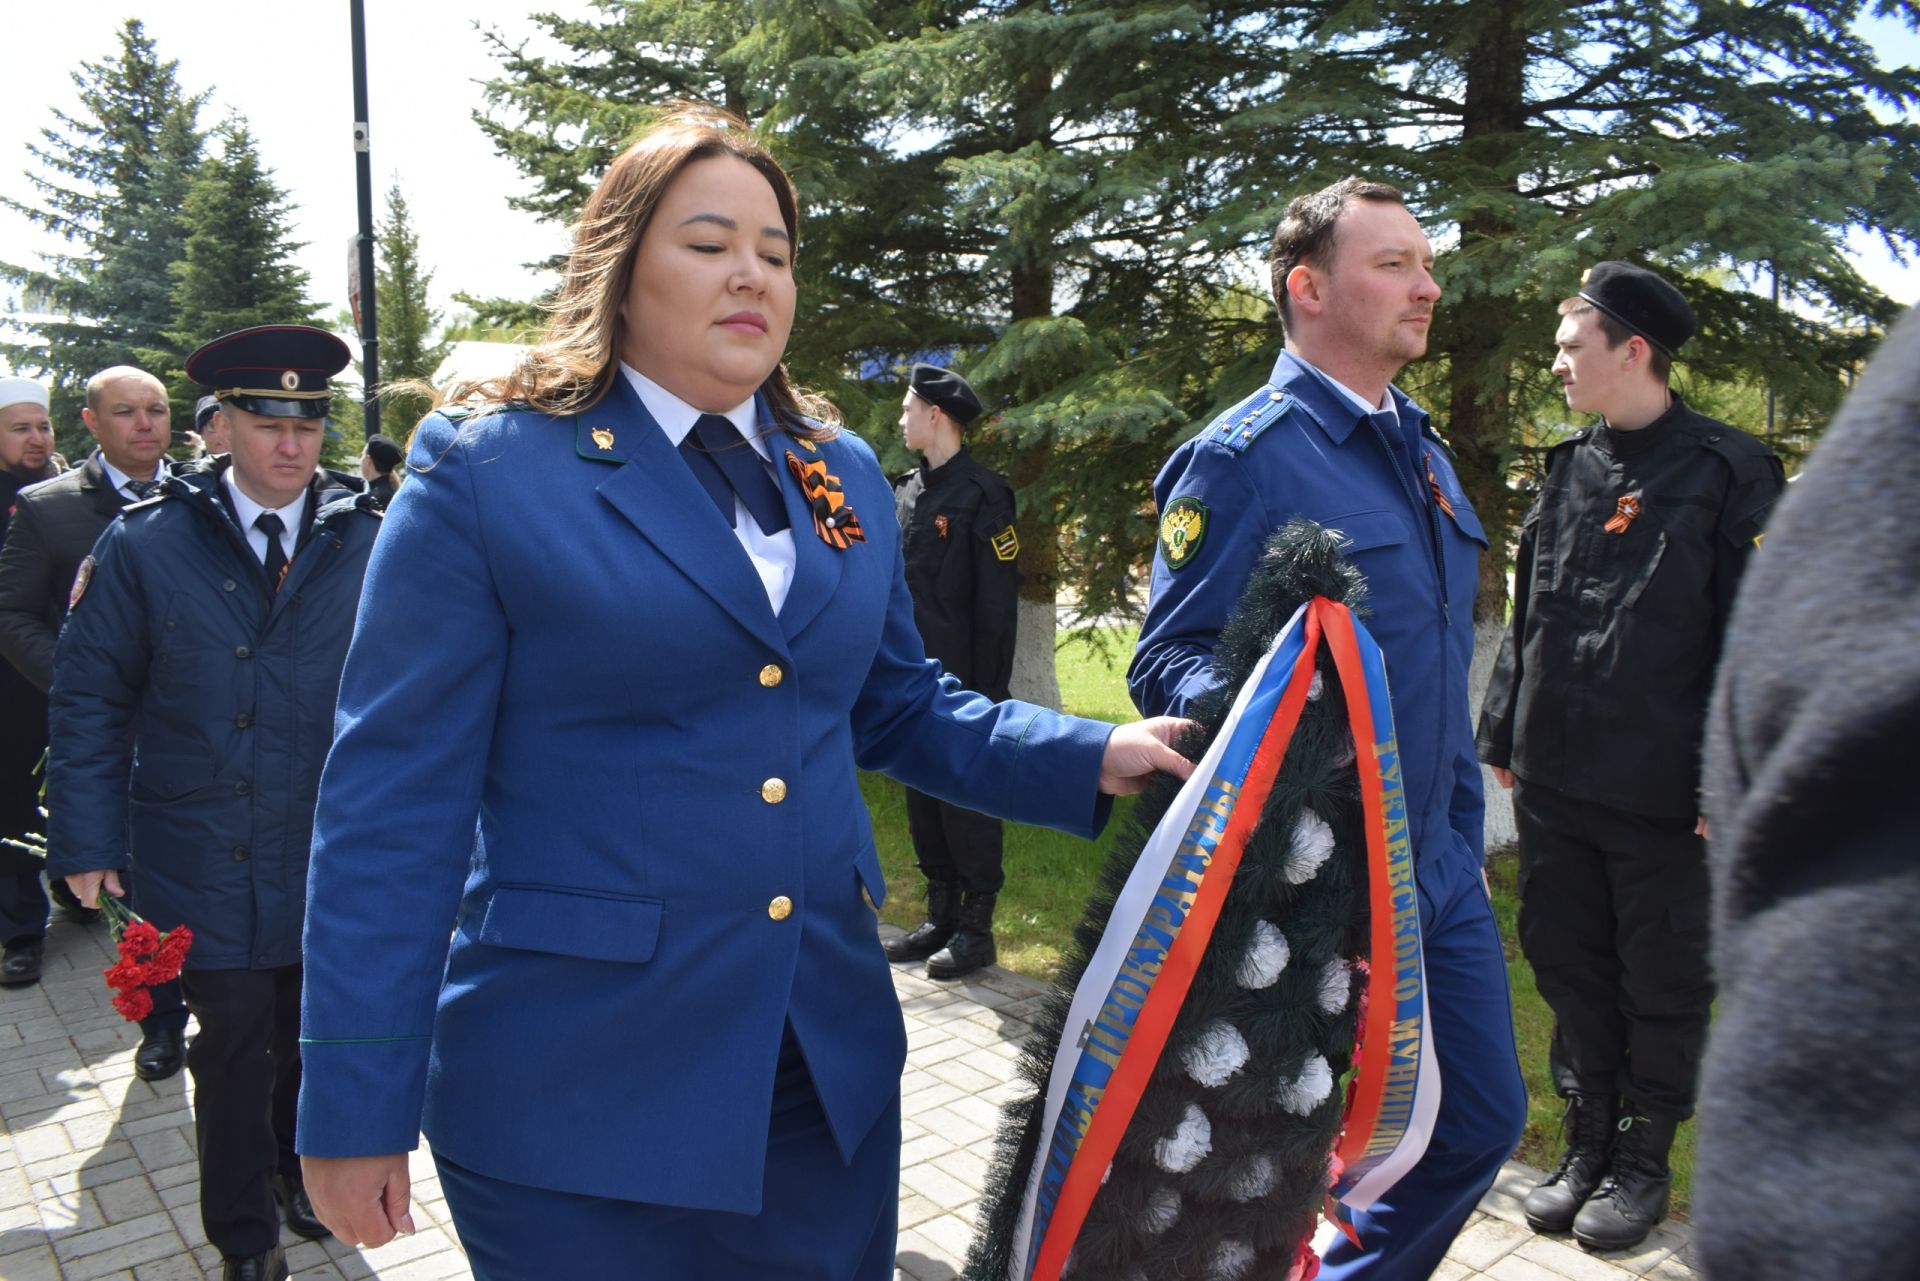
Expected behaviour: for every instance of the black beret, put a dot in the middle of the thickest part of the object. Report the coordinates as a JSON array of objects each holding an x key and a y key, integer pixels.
[
  {"x": 384, "y": 453},
  {"x": 1644, "y": 301},
  {"x": 279, "y": 371},
  {"x": 946, "y": 389}
]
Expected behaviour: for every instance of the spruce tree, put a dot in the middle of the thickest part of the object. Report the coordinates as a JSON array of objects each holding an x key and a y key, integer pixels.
[
  {"x": 1539, "y": 138},
  {"x": 238, "y": 267},
  {"x": 110, "y": 182},
  {"x": 410, "y": 347}
]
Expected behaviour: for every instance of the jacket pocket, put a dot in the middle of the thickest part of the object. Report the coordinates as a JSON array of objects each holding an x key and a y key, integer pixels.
[
  {"x": 165, "y": 776},
  {"x": 598, "y": 927},
  {"x": 1365, "y": 530},
  {"x": 1643, "y": 574}
]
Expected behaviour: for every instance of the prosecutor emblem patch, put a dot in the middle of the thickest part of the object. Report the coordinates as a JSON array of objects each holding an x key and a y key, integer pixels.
[
  {"x": 602, "y": 438},
  {"x": 1006, "y": 543},
  {"x": 1183, "y": 527}
]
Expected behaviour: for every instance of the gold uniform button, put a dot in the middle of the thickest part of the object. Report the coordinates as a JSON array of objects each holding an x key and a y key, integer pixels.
[
  {"x": 781, "y": 908},
  {"x": 771, "y": 675},
  {"x": 773, "y": 791}
]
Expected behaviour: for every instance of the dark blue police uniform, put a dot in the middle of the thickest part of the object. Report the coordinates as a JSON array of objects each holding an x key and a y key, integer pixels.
[
  {"x": 665, "y": 1040},
  {"x": 1301, "y": 447}
]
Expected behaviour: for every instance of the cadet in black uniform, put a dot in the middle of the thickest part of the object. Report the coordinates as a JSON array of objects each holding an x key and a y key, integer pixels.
[
  {"x": 1627, "y": 570},
  {"x": 956, "y": 531}
]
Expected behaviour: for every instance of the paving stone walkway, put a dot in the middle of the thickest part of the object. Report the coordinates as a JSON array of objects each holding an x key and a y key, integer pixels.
[{"x": 97, "y": 1176}]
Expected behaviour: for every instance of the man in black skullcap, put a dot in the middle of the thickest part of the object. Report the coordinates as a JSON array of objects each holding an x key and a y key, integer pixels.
[
  {"x": 209, "y": 434},
  {"x": 1627, "y": 569},
  {"x": 956, "y": 531},
  {"x": 192, "y": 707}
]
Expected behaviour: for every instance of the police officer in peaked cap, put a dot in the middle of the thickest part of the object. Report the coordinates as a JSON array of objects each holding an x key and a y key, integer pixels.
[
  {"x": 1627, "y": 569},
  {"x": 192, "y": 707},
  {"x": 956, "y": 530}
]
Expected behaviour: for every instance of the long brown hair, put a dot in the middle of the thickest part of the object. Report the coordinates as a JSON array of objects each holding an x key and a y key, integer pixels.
[{"x": 574, "y": 364}]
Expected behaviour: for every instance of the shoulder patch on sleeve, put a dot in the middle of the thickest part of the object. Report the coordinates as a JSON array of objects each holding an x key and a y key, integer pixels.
[
  {"x": 1235, "y": 430},
  {"x": 1006, "y": 543},
  {"x": 81, "y": 577},
  {"x": 1183, "y": 527}
]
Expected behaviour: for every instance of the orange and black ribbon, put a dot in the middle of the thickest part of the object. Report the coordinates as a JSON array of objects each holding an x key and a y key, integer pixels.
[
  {"x": 833, "y": 519},
  {"x": 1623, "y": 513},
  {"x": 1439, "y": 495}
]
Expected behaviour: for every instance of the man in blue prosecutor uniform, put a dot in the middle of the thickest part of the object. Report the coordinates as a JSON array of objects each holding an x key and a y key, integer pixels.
[
  {"x": 1330, "y": 439},
  {"x": 636, "y": 632}
]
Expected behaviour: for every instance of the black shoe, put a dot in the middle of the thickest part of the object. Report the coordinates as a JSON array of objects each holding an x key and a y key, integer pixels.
[
  {"x": 971, "y": 947},
  {"x": 271, "y": 1266},
  {"x": 943, "y": 905},
  {"x": 66, "y": 904},
  {"x": 1588, "y": 1130},
  {"x": 21, "y": 968},
  {"x": 1635, "y": 1194},
  {"x": 291, "y": 1196},
  {"x": 161, "y": 1052}
]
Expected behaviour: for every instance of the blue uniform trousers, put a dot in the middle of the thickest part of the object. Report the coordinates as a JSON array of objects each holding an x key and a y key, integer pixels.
[
  {"x": 1483, "y": 1099},
  {"x": 820, "y": 1219}
]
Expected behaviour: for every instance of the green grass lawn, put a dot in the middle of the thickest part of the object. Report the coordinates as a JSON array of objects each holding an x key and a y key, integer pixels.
[{"x": 1049, "y": 875}]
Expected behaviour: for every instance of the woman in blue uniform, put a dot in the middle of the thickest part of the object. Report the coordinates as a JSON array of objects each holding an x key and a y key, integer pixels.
[{"x": 649, "y": 615}]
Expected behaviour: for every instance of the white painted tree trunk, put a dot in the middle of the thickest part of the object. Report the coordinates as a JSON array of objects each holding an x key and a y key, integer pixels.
[{"x": 1034, "y": 677}]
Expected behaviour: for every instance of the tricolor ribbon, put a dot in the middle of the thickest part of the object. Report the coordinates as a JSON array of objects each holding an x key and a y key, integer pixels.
[{"x": 1127, "y": 1001}]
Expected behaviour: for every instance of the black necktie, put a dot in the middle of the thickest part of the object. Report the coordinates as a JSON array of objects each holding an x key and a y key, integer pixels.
[
  {"x": 725, "y": 465},
  {"x": 272, "y": 526},
  {"x": 141, "y": 489}
]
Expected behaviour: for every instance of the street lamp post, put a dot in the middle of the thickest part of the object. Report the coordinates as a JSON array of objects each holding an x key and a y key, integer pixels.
[{"x": 363, "y": 167}]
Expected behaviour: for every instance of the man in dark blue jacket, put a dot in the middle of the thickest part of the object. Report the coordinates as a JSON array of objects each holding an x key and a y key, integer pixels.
[
  {"x": 1329, "y": 438},
  {"x": 192, "y": 708}
]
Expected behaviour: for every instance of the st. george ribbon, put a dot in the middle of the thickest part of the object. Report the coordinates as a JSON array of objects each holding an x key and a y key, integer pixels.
[{"x": 1126, "y": 1003}]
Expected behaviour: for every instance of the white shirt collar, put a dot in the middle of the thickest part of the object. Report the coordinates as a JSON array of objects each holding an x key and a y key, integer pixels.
[
  {"x": 1386, "y": 405},
  {"x": 249, "y": 511},
  {"x": 676, "y": 417},
  {"x": 118, "y": 479}
]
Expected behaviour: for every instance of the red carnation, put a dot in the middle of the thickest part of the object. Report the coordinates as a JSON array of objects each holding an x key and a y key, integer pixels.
[
  {"x": 134, "y": 1005},
  {"x": 146, "y": 958}
]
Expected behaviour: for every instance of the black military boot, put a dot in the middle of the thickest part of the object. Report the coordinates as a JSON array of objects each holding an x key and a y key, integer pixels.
[
  {"x": 928, "y": 937},
  {"x": 1634, "y": 1195},
  {"x": 971, "y": 946},
  {"x": 1587, "y": 1128}
]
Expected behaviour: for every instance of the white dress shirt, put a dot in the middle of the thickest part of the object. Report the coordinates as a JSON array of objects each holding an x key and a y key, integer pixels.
[
  {"x": 249, "y": 511},
  {"x": 1386, "y": 405},
  {"x": 772, "y": 554},
  {"x": 118, "y": 479}
]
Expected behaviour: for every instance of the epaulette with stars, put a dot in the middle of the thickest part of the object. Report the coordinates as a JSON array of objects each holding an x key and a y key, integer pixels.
[{"x": 1235, "y": 430}]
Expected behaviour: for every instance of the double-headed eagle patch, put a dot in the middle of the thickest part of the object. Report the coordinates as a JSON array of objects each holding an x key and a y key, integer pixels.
[{"x": 1183, "y": 527}]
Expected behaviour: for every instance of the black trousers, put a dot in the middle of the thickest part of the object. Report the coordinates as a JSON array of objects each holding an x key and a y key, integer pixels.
[
  {"x": 245, "y": 1062},
  {"x": 955, "y": 844},
  {"x": 1613, "y": 919}
]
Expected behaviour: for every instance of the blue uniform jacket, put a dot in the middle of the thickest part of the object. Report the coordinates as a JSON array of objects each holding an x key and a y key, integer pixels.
[
  {"x": 191, "y": 712},
  {"x": 1298, "y": 447},
  {"x": 671, "y": 844}
]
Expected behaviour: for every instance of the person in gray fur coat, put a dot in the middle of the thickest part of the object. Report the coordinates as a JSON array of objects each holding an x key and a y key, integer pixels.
[{"x": 1808, "y": 1113}]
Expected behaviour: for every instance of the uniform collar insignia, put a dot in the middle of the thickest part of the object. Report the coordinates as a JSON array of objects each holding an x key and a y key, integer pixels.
[{"x": 594, "y": 438}]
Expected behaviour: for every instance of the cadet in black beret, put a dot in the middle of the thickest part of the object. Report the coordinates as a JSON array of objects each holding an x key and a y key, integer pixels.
[
  {"x": 1594, "y": 716},
  {"x": 956, "y": 533},
  {"x": 1644, "y": 301},
  {"x": 945, "y": 390}
]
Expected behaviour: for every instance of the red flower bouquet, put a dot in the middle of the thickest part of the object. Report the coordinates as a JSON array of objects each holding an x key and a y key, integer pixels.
[{"x": 148, "y": 958}]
